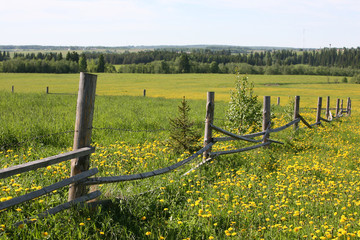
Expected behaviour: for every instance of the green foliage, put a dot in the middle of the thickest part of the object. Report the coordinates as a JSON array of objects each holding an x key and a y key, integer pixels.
[
  {"x": 344, "y": 80},
  {"x": 244, "y": 109},
  {"x": 183, "y": 137},
  {"x": 289, "y": 110},
  {"x": 82, "y": 63},
  {"x": 184, "y": 63},
  {"x": 101, "y": 64},
  {"x": 356, "y": 79}
]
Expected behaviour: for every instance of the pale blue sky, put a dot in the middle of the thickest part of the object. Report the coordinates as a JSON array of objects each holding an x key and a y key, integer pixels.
[{"x": 278, "y": 23}]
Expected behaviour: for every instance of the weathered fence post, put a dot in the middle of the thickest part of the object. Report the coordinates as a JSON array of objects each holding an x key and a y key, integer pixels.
[
  {"x": 12, "y": 89},
  {"x": 318, "y": 113},
  {"x": 349, "y": 106},
  {"x": 47, "y": 90},
  {"x": 341, "y": 106},
  {"x": 327, "y": 113},
  {"x": 337, "y": 107},
  {"x": 266, "y": 117},
  {"x": 296, "y": 111},
  {"x": 209, "y": 119},
  {"x": 144, "y": 93},
  {"x": 278, "y": 101},
  {"x": 83, "y": 130}
]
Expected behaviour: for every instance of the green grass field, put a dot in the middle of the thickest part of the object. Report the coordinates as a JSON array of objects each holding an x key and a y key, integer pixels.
[
  {"x": 307, "y": 188},
  {"x": 193, "y": 86}
]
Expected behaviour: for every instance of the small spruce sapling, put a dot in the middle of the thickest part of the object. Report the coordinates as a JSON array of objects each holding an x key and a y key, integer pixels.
[{"x": 183, "y": 136}]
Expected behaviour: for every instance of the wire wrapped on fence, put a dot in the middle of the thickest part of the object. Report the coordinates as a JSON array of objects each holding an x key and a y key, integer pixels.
[{"x": 101, "y": 180}]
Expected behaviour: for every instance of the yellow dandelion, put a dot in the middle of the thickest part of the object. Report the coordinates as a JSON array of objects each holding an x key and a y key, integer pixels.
[{"x": 148, "y": 233}]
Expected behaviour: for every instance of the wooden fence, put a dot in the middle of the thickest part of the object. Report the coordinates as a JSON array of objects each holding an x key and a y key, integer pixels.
[{"x": 80, "y": 156}]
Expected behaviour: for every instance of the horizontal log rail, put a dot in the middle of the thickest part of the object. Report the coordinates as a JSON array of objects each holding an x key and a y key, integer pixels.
[
  {"x": 33, "y": 165},
  {"x": 113, "y": 179},
  {"x": 48, "y": 189},
  {"x": 61, "y": 207}
]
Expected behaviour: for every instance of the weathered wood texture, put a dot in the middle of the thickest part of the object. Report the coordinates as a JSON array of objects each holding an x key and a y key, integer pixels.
[
  {"x": 327, "y": 113},
  {"x": 304, "y": 121},
  {"x": 101, "y": 180},
  {"x": 266, "y": 118},
  {"x": 62, "y": 207},
  {"x": 48, "y": 189},
  {"x": 83, "y": 127},
  {"x": 33, "y": 165},
  {"x": 209, "y": 119},
  {"x": 296, "y": 111},
  {"x": 318, "y": 113}
]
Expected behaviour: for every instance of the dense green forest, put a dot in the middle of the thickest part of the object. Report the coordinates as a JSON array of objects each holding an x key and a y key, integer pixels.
[{"x": 327, "y": 61}]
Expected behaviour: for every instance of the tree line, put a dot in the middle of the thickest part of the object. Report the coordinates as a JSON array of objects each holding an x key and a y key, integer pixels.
[{"x": 327, "y": 61}]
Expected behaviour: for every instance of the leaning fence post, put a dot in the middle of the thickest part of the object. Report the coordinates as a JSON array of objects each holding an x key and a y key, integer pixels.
[
  {"x": 83, "y": 130},
  {"x": 266, "y": 117},
  {"x": 337, "y": 107},
  {"x": 318, "y": 113},
  {"x": 327, "y": 113},
  {"x": 209, "y": 119},
  {"x": 296, "y": 111}
]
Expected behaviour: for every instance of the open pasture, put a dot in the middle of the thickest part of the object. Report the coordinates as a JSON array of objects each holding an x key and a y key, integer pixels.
[{"x": 193, "y": 86}]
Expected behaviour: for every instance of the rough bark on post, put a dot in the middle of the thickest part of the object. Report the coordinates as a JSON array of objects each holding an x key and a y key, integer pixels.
[
  {"x": 266, "y": 117},
  {"x": 318, "y": 112},
  {"x": 296, "y": 111},
  {"x": 209, "y": 119},
  {"x": 341, "y": 106},
  {"x": 83, "y": 130},
  {"x": 349, "y": 107},
  {"x": 327, "y": 113},
  {"x": 337, "y": 107}
]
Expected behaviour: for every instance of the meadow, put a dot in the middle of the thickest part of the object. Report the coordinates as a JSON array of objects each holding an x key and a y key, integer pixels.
[
  {"x": 193, "y": 86},
  {"x": 308, "y": 188}
]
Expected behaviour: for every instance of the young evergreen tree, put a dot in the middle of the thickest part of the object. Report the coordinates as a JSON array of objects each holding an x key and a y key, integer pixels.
[
  {"x": 101, "y": 64},
  {"x": 183, "y": 137},
  {"x": 82, "y": 63}
]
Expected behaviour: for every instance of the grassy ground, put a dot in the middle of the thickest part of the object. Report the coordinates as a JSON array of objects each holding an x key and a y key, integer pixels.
[
  {"x": 193, "y": 86},
  {"x": 307, "y": 188}
]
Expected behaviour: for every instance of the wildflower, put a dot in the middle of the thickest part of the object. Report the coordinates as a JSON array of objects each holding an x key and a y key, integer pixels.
[
  {"x": 211, "y": 237},
  {"x": 81, "y": 224},
  {"x": 148, "y": 233},
  {"x": 45, "y": 234},
  {"x": 143, "y": 218}
]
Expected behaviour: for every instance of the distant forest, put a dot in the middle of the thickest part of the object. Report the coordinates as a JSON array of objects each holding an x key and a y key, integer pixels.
[{"x": 327, "y": 61}]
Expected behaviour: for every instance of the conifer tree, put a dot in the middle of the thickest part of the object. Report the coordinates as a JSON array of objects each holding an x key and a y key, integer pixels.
[{"x": 183, "y": 137}]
